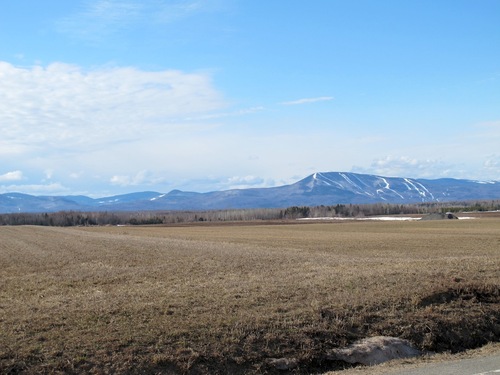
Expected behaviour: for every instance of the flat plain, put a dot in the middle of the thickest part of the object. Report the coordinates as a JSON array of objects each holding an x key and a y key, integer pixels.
[{"x": 228, "y": 298}]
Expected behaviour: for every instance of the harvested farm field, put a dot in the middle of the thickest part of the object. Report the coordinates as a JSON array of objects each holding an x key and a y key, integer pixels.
[{"x": 233, "y": 299}]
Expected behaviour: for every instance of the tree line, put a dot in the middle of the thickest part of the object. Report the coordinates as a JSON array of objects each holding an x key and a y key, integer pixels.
[{"x": 77, "y": 218}]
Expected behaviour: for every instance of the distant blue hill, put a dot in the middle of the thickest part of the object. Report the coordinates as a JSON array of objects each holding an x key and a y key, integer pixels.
[{"x": 328, "y": 188}]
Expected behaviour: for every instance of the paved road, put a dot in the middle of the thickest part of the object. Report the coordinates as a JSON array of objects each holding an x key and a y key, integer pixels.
[{"x": 489, "y": 365}]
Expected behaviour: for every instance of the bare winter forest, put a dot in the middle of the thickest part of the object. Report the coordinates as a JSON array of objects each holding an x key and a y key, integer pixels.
[{"x": 76, "y": 218}]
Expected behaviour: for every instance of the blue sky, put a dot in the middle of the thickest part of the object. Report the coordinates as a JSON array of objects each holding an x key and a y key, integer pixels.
[{"x": 102, "y": 97}]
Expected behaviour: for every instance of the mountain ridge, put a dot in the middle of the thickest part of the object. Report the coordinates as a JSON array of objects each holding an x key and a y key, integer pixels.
[{"x": 320, "y": 188}]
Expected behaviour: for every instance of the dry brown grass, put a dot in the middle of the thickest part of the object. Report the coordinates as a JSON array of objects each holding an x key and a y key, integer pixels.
[{"x": 223, "y": 299}]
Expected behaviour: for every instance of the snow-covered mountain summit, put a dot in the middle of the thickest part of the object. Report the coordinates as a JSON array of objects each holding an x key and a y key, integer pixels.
[
  {"x": 370, "y": 186},
  {"x": 366, "y": 188}
]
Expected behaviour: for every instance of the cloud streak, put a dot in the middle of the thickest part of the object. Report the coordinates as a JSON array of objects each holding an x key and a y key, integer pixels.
[
  {"x": 308, "y": 100},
  {"x": 241, "y": 112},
  {"x": 100, "y": 19}
]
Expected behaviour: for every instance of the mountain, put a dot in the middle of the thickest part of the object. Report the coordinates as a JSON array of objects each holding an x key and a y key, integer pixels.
[{"x": 328, "y": 188}]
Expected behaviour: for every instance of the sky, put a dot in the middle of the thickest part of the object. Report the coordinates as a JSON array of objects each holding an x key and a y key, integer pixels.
[{"x": 105, "y": 97}]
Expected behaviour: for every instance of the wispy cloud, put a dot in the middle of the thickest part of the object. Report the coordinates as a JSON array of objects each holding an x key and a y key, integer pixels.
[
  {"x": 308, "y": 100},
  {"x": 101, "y": 18},
  {"x": 11, "y": 176},
  {"x": 170, "y": 11},
  {"x": 241, "y": 112},
  {"x": 98, "y": 19}
]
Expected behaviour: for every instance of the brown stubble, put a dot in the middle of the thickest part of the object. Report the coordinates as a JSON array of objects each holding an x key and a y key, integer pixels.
[{"x": 132, "y": 299}]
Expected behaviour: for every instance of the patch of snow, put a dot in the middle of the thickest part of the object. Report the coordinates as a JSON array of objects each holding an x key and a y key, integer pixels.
[
  {"x": 413, "y": 186},
  {"x": 420, "y": 192},
  {"x": 158, "y": 197},
  {"x": 359, "y": 189},
  {"x": 485, "y": 182},
  {"x": 375, "y": 350},
  {"x": 360, "y": 180},
  {"x": 375, "y": 218},
  {"x": 393, "y": 218},
  {"x": 110, "y": 201},
  {"x": 427, "y": 190},
  {"x": 380, "y": 191},
  {"x": 325, "y": 179},
  {"x": 350, "y": 181},
  {"x": 388, "y": 187}
]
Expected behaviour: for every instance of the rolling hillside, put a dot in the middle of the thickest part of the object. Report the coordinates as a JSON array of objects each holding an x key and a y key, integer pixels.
[{"x": 325, "y": 188}]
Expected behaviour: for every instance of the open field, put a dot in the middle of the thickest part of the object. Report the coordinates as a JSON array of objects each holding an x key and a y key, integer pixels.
[{"x": 225, "y": 299}]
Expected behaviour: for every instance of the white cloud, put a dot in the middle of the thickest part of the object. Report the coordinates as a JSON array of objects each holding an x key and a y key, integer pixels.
[
  {"x": 121, "y": 180},
  {"x": 492, "y": 162},
  {"x": 63, "y": 106},
  {"x": 492, "y": 166},
  {"x": 308, "y": 100},
  {"x": 141, "y": 178},
  {"x": 404, "y": 166},
  {"x": 11, "y": 176},
  {"x": 102, "y": 122}
]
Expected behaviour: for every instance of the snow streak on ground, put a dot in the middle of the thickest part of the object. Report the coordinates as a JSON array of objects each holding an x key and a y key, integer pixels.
[{"x": 377, "y": 218}]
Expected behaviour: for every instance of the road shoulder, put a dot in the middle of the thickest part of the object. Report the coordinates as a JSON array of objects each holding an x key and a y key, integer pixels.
[{"x": 412, "y": 366}]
